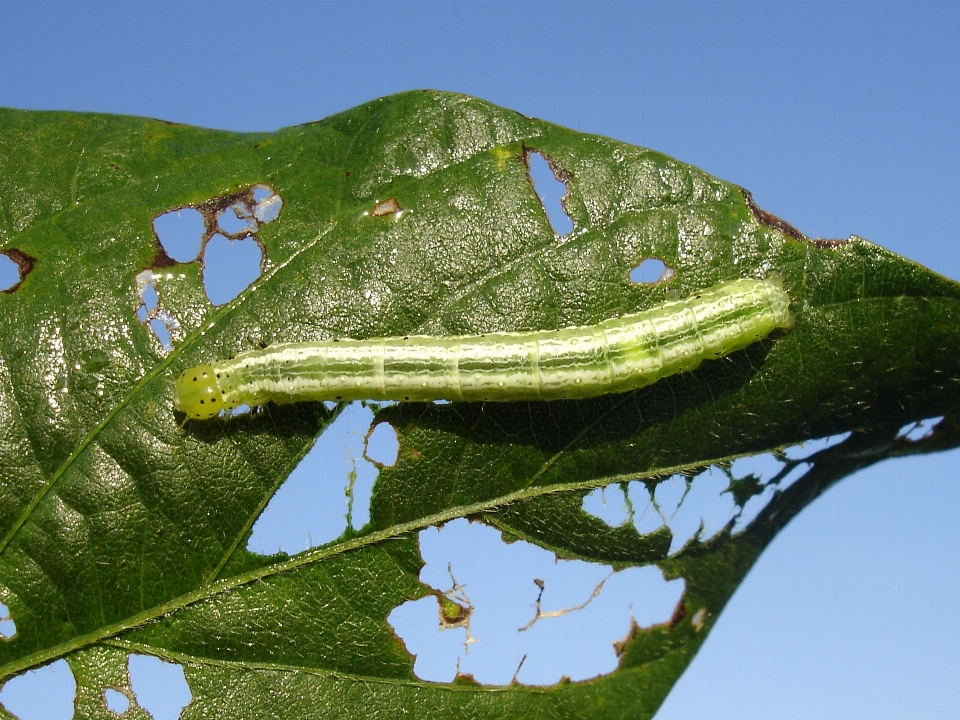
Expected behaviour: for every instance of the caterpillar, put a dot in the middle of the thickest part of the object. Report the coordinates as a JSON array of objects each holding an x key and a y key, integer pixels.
[{"x": 613, "y": 356}]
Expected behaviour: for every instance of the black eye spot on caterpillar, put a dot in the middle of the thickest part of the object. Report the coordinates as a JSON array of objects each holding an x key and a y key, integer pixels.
[
  {"x": 613, "y": 356},
  {"x": 198, "y": 388}
]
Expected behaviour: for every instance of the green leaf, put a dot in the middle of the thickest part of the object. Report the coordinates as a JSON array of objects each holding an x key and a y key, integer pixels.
[{"x": 123, "y": 528}]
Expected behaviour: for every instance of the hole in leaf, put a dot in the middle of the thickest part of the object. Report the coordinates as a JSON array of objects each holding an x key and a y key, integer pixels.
[
  {"x": 692, "y": 508},
  {"x": 180, "y": 233},
  {"x": 920, "y": 430},
  {"x": 753, "y": 508},
  {"x": 389, "y": 206},
  {"x": 763, "y": 467},
  {"x": 756, "y": 480},
  {"x": 749, "y": 479},
  {"x": 266, "y": 204},
  {"x": 162, "y": 333},
  {"x": 531, "y": 617},
  {"x": 791, "y": 477},
  {"x": 230, "y": 267},
  {"x": 151, "y": 301},
  {"x": 14, "y": 268},
  {"x": 329, "y": 488},
  {"x": 161, "y": 322},
  {"x": 551, "y": 191},
  {"x": 382, "y": 445},
  {"x": 608, "y": 503},
  {"x": 698, "y": 508},
  {"x": 695, "y": 505},
  {"x": 651, "y": 271},
  {"x": 704, "y": 508},
  {"x": 237, "y": 220},
  {"x": 811, "y": 447},
  {"x": 238, "y": 410},
  {"x": 669, "y": 494},
  {"x": 46, "y": 693},
  {"x": 144, "y": 280},
  {"x": 9, "y": 273},
  {"x": 160, "y": 687},
  {"x": 116, "y": 701},
  {"x": 8, "y": 628},
  {"x": 647, "y": 516}
]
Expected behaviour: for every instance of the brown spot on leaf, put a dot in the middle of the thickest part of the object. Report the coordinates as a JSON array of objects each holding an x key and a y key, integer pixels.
[
  {"x": 620, "y": 645},
  {"x": 24, "y": 262},
  {"x": 465, "y": 679},
  {"x": 698, "y": 619},
  {"x": 679, "y": 613},
  {"x": 161, "y": 259},
  {"x": 213, "y": 207},
  {"x": 769, "y": 219},
  {"x": 389, "y": 206},
  {"x": 830, "y": 244},
  {"x": 558, "y": 170},
  {"x": 452, "y": 613}
]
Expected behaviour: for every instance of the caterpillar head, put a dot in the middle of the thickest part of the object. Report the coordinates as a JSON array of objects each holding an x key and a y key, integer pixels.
[{"x": 196, "y": 393}]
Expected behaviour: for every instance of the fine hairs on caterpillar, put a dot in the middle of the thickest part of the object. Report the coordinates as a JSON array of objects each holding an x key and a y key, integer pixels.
[{"x": 613, "y": 356}]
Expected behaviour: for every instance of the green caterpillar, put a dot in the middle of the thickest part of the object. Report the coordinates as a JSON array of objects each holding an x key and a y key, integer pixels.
[{"x": 613, "y": 356}]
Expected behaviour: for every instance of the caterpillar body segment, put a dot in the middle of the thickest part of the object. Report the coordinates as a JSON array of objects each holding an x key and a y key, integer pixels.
[{"x": 613, "y": 356}]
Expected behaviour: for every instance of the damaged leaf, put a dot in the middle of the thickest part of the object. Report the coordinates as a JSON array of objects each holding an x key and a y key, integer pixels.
[{"x": 123, "y": 527}]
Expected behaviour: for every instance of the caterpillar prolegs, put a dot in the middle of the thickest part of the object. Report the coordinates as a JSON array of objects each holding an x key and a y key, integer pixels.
[{"x": 613, "y": 356}]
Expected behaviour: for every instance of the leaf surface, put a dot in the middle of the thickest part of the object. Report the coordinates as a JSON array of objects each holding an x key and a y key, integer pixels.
[{"x": 123, "y": 528}]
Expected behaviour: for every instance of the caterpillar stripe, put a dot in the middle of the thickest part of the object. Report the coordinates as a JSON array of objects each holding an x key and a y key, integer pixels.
[{"x": 613, "y": 356}]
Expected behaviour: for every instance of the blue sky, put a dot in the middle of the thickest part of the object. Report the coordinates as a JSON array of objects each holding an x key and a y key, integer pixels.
[{"x": 841, "y": 117}]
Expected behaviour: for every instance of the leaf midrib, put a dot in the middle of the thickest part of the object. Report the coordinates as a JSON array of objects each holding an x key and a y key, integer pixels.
[
  {"x": 162, "y": 366},
  {"x": 316, "y": 555},
  {"x": 186, "y": 660}
]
